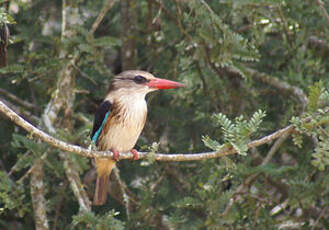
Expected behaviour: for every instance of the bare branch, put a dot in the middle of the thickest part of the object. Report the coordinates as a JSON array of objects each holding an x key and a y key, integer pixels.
[
  {"x": 128, "y": 34},
  {"x": 319, "y": 46},
  {"x": 323, "y": 9},
  {"x": 22, "y": 112},
  {"x": 38, "y": 199},
  {"x": 142, "y": 155},
  {"x": 35, "y": 165},
  {"x": 125, "y": 197},
  {"x": 64, "y": 95},
  {"x": 16, "y": 99},
  {"x": 279, "y": 84},
  {"x": 75, "y": 183},
  {"x": 109, "y": 4}
]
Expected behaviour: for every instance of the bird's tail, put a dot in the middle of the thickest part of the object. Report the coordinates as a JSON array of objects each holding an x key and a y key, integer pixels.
[{"x": 104, "y": 167}]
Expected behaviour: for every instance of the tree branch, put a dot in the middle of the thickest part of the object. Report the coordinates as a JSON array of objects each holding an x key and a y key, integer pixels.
[
  {"x": 26, "y": 114},
  {"x": 319, "y": 46},
  {"x": 252, "y": 177},
  {"x": 38, "y": 199},
  {"x": 142, "y": 155},
  {"x": 279, "y": 84},
  {"x": 75, "y": 183},
  {"x": 101, "y": 15},
  {"x": 323, "y": 9},
  {"x": 64, "y": 95},
  {"x": 23, "y": 103}
]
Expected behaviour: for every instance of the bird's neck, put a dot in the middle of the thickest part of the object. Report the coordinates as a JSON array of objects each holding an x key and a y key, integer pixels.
[{"x": 129, "y": 102}]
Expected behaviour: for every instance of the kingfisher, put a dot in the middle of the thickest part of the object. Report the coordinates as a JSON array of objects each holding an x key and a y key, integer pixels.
[{"x": 120, "y": 119}]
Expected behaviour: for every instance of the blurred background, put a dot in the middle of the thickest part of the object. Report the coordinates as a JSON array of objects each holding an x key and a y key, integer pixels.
[{"x": 252, "y": 67}]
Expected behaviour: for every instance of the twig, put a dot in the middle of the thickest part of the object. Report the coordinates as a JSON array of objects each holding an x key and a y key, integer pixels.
[
  {"x": 320, "y": 216},
  {"x": 22, "y": 112},
  {"x": 323, "y": 9},
  {"x": 63, "y": 99},
  {"x": 142, "y": 155},
  {"x": 16, "y": 99},
  {"x": 40, "y": 160},
  {"x": 125, "y": 196},
  {"x": 252, "y": 177},
  {"x": 255, "y": 74},
  {"x": 131, "y": 202},
  {"x": 75, "y": 183},
  {"x": 320, "y": 46},
  {"x": 179, "y": 23},
  {"x": 59, "y": 204},
  {"x": 207, "y": 6},
  {"x": 83, "y": 74},
  {"x": 14, "y": 168},
  {"x": 101, "y": 15},
  {"x": 279, "y": 84}
]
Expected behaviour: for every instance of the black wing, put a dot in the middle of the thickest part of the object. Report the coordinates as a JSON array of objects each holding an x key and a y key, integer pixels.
[{"x": 101, "y": 116}]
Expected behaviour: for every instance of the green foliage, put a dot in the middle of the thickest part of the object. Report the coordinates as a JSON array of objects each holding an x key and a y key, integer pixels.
[
  {"x": 153, "y": 149},
  {"x": 208, "y": 45},
  {"x": 212, "y": 144},
  {"x": 88, "y": 220},
  {"x": 20, "y": 141},
  {"x": 321, "y": 153},
  {"x": 5, "y": 17},
  {"x": 315, "y": 92},
  {"x": 315, "y": 123},
  {"x": 12, "y": 196},
  {"x": 236, "y": 134}
]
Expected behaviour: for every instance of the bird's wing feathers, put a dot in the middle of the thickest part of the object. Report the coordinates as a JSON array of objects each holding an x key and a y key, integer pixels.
[{"x": 101, "y": 117}]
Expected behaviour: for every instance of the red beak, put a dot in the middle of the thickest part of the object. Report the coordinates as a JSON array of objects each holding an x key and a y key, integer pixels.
[{"x": 160, "y": 83}]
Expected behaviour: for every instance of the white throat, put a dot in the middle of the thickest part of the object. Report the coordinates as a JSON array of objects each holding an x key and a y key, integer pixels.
[{"x": 133, "y": 104}]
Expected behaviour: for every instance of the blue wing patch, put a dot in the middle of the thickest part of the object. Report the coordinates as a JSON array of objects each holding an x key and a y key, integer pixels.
[
  {"x": 101, "y": 117},
  {"x": 96, "y": 135}
]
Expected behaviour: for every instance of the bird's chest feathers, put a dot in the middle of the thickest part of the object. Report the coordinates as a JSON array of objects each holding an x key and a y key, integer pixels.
[
  {"x": 126, "y": 124},
  {"x": 133, "y": 112}
]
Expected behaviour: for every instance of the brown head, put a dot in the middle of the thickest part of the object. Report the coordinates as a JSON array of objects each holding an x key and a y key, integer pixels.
[{"x": 140, "y": 82}]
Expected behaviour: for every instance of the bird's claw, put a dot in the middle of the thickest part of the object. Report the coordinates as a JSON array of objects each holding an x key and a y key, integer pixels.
[
  {"x": 116, "y": 155},
  {"x": 135, "y": 153}
]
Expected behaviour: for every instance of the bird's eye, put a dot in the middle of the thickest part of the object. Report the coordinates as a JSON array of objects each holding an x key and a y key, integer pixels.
[{"x": 140, "y": 79}]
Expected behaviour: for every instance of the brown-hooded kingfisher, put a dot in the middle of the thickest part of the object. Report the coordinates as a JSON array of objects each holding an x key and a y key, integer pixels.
[{"x": 119, "y": 120}]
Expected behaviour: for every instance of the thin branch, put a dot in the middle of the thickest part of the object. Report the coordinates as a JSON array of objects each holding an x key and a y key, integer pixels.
[
  {"x": 279, "y": 84},
  {"x": 35, "y": 165},
  {"x": 83, "y": 74},
  {"x": 22, "y": 112},
  {"x": 142, "y": 155},
  {"x": 320, "y": 216},
  {"x": 120, "y": 192},
  {"x": 179, "y": 23},
  {"x": 16, "y": 165},
  {"x": 125, "y": 197},
  {"x": 319, "y": 46},
  {"x": 59, "y": 205},
  {"x": 16, "y": 99},
  {"x": 64, "y": 95},
  {"x": 75, "y": 183},
  {"x": 109, "y": 4},
  {"x": 323, "y": 9},
  {"x": 252, "y": 177}
]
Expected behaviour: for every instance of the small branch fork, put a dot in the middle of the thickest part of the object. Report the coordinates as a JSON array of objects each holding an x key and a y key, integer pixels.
[{"x": 142, "y": 155}]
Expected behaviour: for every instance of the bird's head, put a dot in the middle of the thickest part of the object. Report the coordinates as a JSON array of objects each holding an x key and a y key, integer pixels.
[{"x": 140, "y": 82}]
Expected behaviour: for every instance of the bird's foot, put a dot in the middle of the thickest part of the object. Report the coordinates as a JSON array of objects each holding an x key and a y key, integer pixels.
[
  {"x": 135, "y": 153},
  {"x": 116, "y": 155}
]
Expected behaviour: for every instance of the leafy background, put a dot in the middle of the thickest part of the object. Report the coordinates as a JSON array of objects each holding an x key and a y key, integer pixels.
[{"x": 251, "y": 67}]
